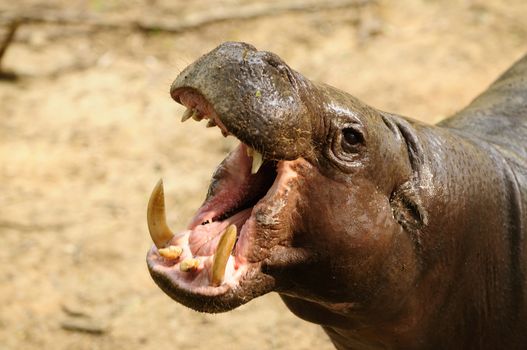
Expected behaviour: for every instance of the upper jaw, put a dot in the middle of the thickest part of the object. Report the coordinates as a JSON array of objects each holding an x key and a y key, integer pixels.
[{"x": 255, "y": 95}]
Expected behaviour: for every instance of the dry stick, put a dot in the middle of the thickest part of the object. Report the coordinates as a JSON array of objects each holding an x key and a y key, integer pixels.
[
  {"x": 84, "y": 326},
  {"x": 193, "y": 21},
  {"x": 245, "y": 13},
  {"x": 11, "y": 30}
]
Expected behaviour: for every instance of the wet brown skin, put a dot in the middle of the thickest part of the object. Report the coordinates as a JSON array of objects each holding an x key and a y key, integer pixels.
[{"x": 395, "y": 234}]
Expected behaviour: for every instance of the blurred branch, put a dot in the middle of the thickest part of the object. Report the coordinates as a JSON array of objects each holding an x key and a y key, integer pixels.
[
  {"x": 8, "y": 39},
  {"x": 33, "y": 227},
  {"x": 84, "y": 326},
  {"x": 247, "y": 12},
  {"x": 194, "y": 21}
]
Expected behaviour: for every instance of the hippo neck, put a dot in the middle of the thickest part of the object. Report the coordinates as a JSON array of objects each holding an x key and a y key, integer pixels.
[
  {"x": 470, "y": 279},
  {"x": 499, "y": 114},
  {"x": 471, "y": 262}
]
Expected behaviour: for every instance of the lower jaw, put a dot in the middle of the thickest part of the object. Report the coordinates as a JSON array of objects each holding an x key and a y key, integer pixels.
[
  {"x": 196, "y": 282},
  {"x": 243, "y": 279},
  {"x": 199, "y": 279},
  {"x": 213, "y": 299}
]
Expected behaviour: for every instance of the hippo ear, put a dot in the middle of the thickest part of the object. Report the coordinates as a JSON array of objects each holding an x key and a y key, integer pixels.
[
  {"x": 407, "y": 207},
  {"x": 405, "y": 199}
]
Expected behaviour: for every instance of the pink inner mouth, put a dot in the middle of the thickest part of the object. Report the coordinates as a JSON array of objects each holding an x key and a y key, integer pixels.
[{"x": 235, "y": 194}]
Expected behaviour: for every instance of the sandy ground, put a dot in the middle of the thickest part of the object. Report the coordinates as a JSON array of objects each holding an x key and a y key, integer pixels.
[{"x": 89, "y": 128}]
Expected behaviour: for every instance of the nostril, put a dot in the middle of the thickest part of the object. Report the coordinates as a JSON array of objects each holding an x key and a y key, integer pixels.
[{"x": 275, "y": 62}]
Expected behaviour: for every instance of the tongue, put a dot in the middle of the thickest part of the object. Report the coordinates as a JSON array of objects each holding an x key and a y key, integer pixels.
[{"x": 204, "y": 238}]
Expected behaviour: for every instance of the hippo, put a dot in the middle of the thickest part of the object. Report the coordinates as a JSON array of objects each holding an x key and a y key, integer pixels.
[{"x": 387, "y": 232}]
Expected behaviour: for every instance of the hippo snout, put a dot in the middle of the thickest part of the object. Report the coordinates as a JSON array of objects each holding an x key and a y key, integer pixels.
[{"x": 255, "y": 95}]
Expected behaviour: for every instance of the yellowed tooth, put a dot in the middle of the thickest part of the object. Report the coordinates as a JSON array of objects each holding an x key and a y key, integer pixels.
[
  {"x": 250, "y": 151},
  {"x": 223, "y": 251},
  {"x": 155, "y": 216},
  {"x": 189, "y": 264},
  {"x": 257, "y": 161},
  {"x": 187, "y": 115},
  {"x": 171, "y": 252},
  {"x": 211, "y": 124}
]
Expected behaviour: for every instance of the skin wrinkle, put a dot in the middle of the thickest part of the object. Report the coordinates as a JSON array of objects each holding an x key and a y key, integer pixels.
[{"x": 411, "y": 240}]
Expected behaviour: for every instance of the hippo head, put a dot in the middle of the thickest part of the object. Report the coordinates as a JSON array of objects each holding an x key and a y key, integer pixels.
[{"x": 318, "y": 202}]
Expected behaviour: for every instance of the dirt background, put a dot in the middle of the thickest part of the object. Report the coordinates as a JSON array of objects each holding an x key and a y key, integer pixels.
[{"x": 89, "y": 128}]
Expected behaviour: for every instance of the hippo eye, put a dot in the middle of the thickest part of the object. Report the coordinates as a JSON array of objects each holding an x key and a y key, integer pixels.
[{"x": 351, "y": 138}]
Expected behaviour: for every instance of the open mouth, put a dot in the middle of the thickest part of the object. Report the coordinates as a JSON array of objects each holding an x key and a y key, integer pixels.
[{"x": 220, "y": 250}]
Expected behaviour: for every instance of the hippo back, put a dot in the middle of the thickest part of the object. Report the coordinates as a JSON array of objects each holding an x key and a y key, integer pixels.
[
  {"x": 499, "y": 115},
  {"x": 497, "y": 120}
]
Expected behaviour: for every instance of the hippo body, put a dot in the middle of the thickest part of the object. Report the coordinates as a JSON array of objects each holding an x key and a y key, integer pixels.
[{"x": 389, "y": 233}]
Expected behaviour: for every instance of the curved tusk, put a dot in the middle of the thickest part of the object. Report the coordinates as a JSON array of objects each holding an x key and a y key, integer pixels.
[
  {"x": 155, "y": 216},
  {"x": 221, "y": 257}
]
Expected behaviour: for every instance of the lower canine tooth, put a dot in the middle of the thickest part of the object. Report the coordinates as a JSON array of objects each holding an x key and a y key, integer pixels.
[
  {"x": 223, "y": 251},
  {"x": 171, "y": 252},
  {"x": 250, "y": 151},
  {"x": 189, "y": 264},
  {"x": 257, "y": 161}
]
